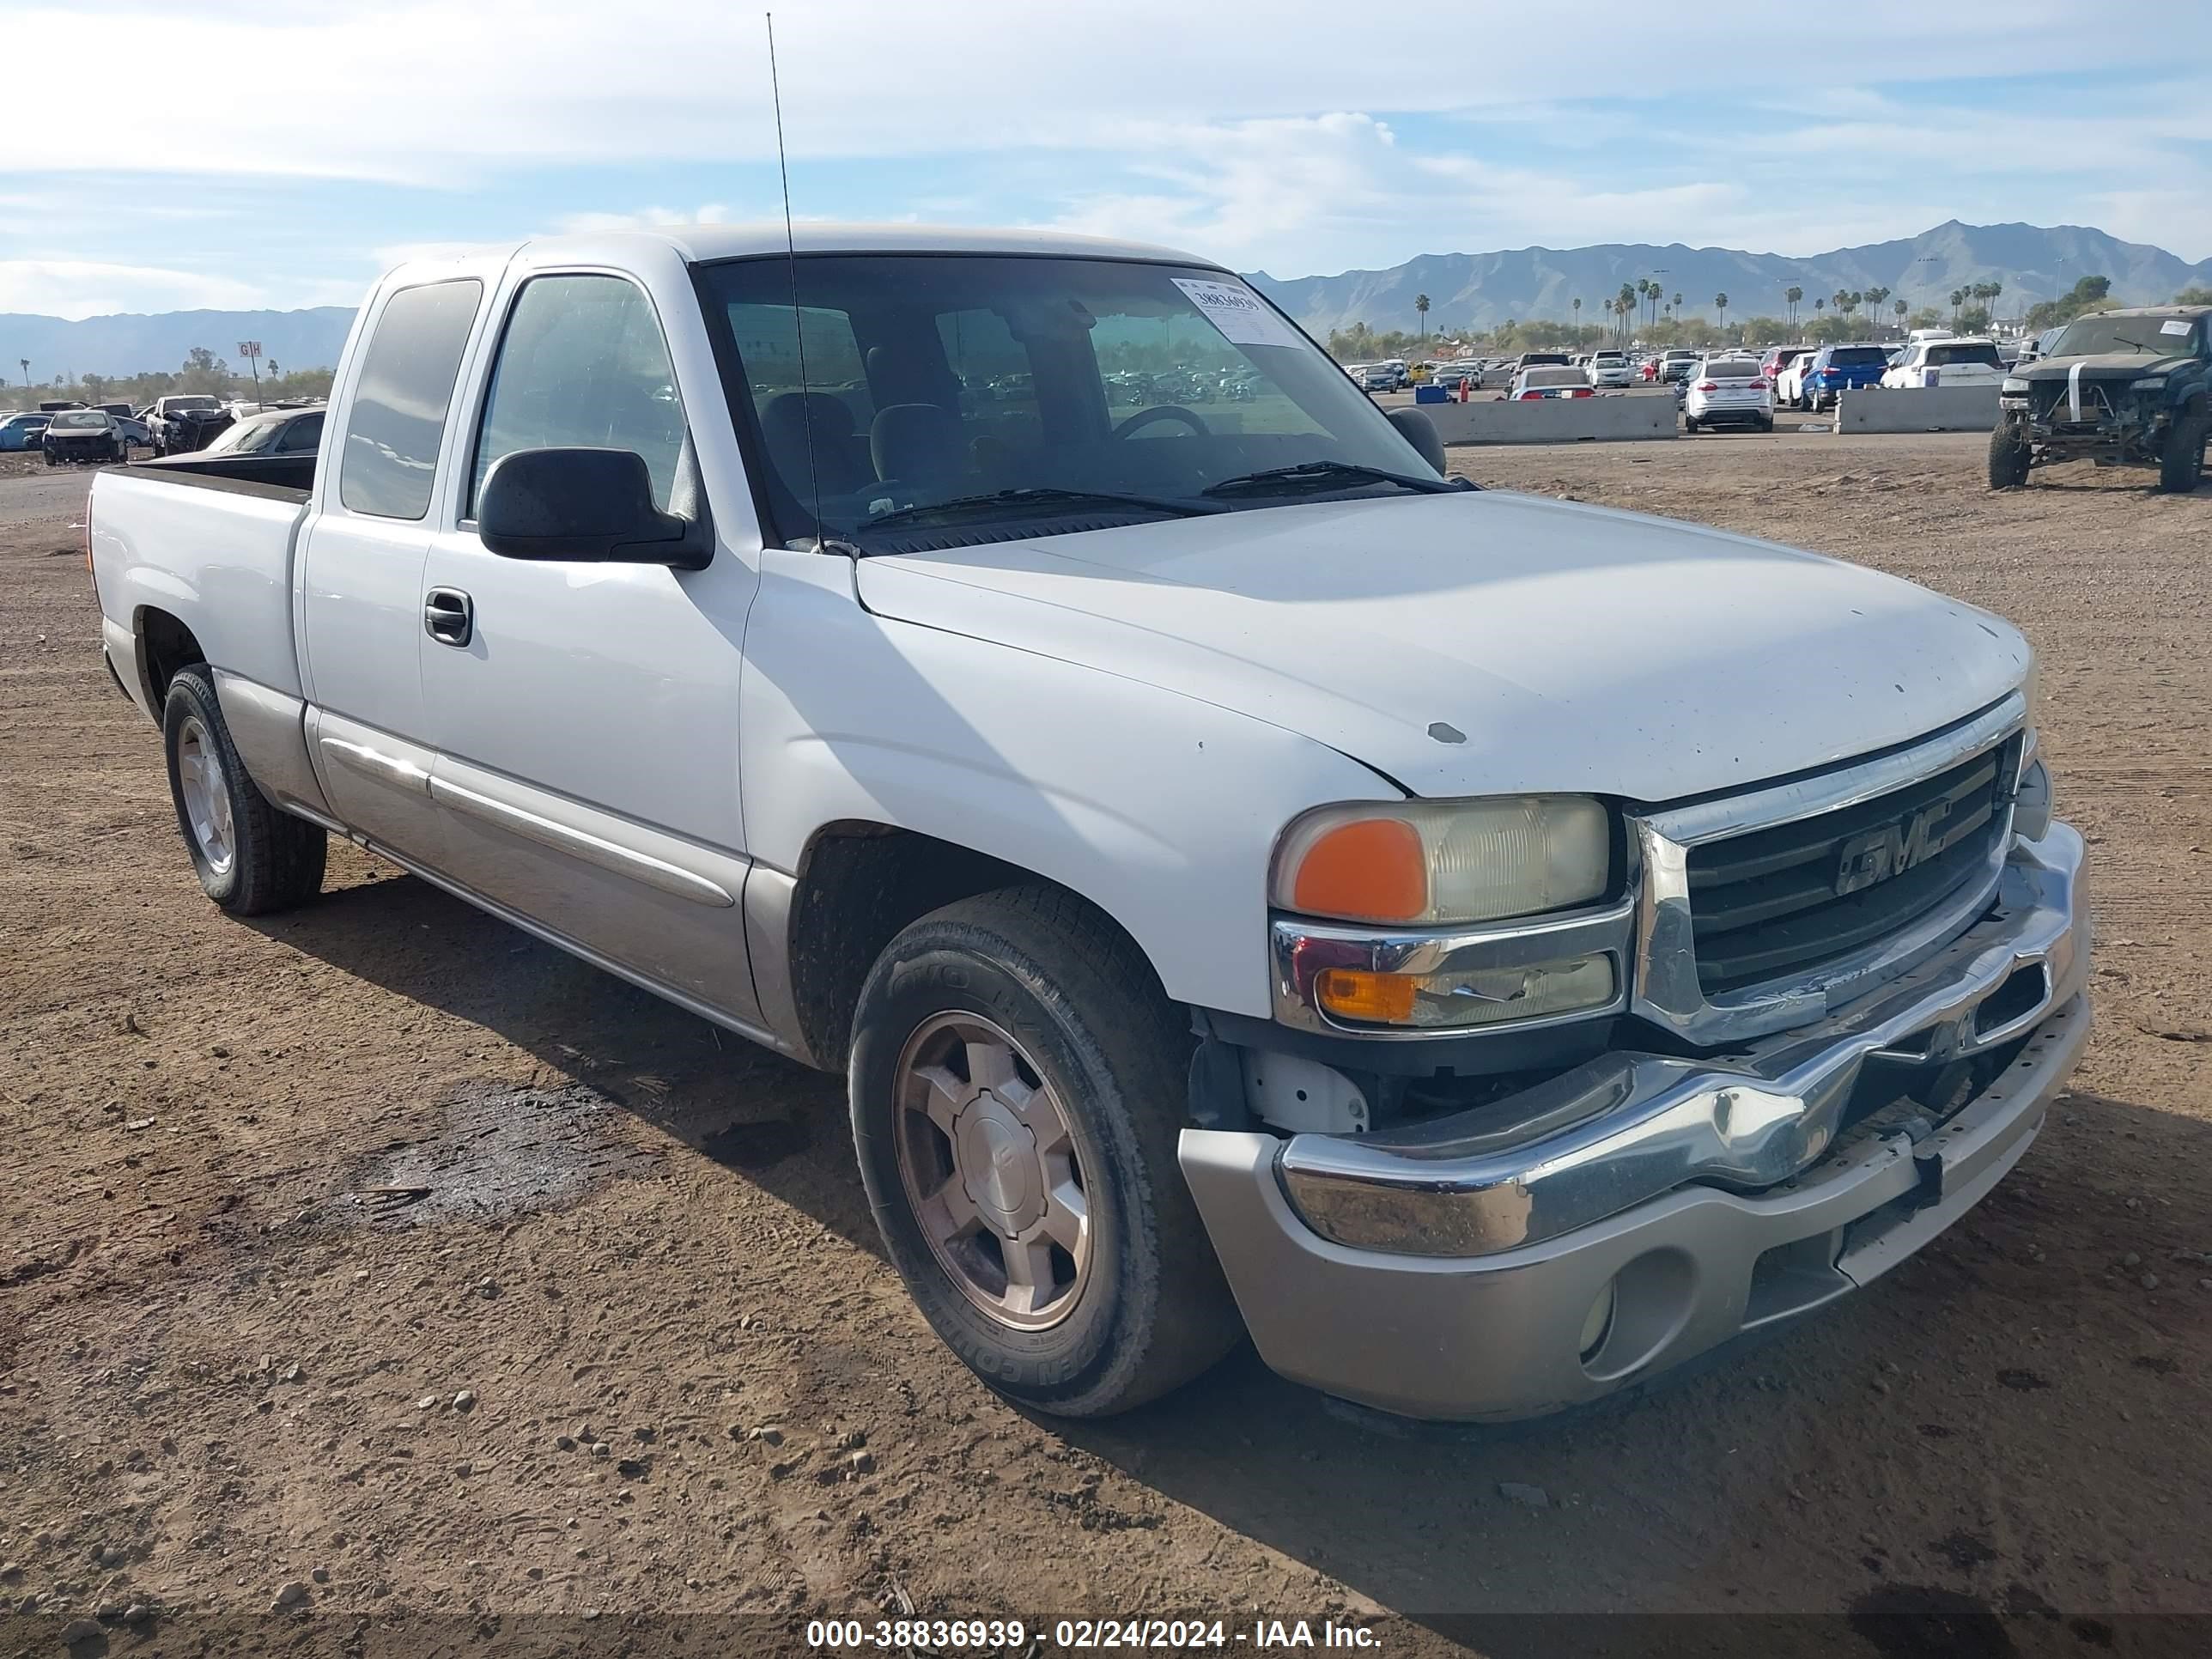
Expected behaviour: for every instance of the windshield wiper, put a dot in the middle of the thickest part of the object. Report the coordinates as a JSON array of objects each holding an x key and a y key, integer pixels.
[
  {"x": 1036, "y": 495},
  {"x": 1326, "y": 475},
  {"x": 2137, "y": 344}
]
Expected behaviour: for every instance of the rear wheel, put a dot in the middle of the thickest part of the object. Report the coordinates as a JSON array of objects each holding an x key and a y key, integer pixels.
[
  {"x": 1689, "y": 423},
  {"x": 249, "y": 857},
  {"x": 2182, "y": 465},
  {"x": 1017, "y": 1080},
  {"x": 2010, "y": 454}
]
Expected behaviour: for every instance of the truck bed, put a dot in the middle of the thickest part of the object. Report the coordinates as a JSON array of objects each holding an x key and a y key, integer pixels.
[
  {"x": 208, "y": 541},
  {"x": 286, "y": 476}
]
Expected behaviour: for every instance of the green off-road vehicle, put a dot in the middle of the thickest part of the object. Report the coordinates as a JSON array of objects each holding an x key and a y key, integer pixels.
[{"x": 2121, "y": 388}]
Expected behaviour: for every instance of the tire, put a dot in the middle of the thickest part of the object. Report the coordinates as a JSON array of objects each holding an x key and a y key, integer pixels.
[
  {"x": 1033, "y": 988},
  {"x": 1767, "y": 424},
  {"x": 1689, "y": 425},
  {"x": 2010, "y": 454},
  {"x": 2182, "y": 465},
  {"x": 251, "y": 857}
]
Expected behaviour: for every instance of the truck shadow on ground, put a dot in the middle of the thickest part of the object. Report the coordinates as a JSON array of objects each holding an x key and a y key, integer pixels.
[{"x": 1789, "y": 1475}]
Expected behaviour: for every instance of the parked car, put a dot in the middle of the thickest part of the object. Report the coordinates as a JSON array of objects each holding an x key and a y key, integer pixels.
[
  {"x": 174, "y": 434},
  {"x": 1377, "y": 377},
  {"x": 1533, "y": 385},
  {"x": 1541, "y": 360},
  {"x": 1838, "y": 368},
  {"x": 83, "y": 434},
  {"x": 20, "y": 430},
  {"x": 1729, "y": 391},
  {"x": 1771, "y": 359},
  {"x": 1472, "y": 944},
  {"x": 127, "y": 421},
  {"x": 1957, "y": 362},
  {"x": 1789, "y": 382},
  {"x": 2122, "y": 388},
  {"x": 1676, "y": 365},
  {"x": 1608, "y": 369},
  {"x": 274, "y": 432}
]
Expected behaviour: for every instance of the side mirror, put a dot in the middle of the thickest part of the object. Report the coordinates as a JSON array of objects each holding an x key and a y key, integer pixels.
[
  {"x": 1418, "y": 430},
  {"x": 582, "y": 504}
]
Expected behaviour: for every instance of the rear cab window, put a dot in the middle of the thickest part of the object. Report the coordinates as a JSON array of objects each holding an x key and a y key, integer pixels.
[
  {"x": 402, "y": 398},
  {"x": 1980, "y": 352}
]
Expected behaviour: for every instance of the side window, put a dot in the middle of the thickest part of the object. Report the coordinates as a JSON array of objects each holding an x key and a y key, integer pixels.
[
  {"x": 582, "y": 365},
  {"x": 400, "y": 404},
  {"x": 303, "y": 435}
]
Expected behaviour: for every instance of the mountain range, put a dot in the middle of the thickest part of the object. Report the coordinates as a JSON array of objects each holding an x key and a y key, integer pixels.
[
  {"x": 2033, "y": 262},
  {"x": 1483, "y": 289},
  {"x": 134, "y": 344}
]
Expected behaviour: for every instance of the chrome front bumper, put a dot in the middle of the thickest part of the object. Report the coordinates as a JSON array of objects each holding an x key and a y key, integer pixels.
[{"x": 1449, "y": 1270}]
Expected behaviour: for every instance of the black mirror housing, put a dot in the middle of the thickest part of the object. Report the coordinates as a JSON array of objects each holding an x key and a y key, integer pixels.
[
  {"x": 1418, "y": 430},
  {"x": 587, "y": 505}
]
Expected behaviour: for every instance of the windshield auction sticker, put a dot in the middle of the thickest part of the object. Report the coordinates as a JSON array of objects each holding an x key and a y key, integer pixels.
[{"x": 1237, "y": 312}]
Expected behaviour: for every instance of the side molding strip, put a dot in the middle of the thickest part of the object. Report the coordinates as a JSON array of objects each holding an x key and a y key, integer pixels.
[
  {"x": 591, "y": 849},
  {"x": 375, "y": 764}
]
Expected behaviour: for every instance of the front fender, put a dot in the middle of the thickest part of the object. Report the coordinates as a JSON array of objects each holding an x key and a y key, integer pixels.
[{"x": 1160, "y": 809}]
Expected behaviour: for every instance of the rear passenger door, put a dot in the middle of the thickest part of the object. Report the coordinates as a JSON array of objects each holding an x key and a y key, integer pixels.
[
  {"x": 361, "y": 588},
  {"x": 585, "y": 720}
]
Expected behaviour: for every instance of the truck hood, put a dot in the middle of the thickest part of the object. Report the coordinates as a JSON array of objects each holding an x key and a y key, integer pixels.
[
  {"x": 1484, "y": 642},
  {"x": 2100, "y": 366}
]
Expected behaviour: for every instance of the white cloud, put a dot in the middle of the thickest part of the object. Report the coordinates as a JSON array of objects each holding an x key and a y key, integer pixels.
[{"x": 74, "y": 288}]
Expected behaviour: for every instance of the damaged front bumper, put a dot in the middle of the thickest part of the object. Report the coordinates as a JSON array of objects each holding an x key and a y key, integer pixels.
[{"x": 1640, "y": 1208}]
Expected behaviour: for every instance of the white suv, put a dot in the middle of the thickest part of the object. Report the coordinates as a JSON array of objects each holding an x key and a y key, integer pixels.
[
  {"x": 1728, "y": 392},
  {"x": 1608, "y": 369},
  {"x": 1947, "y": 362}
]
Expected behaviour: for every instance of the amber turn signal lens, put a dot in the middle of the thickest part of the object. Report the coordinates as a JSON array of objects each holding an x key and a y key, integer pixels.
[
  {"x": 1373, "y": 868},
  {"x": 1355, "y": 993}
]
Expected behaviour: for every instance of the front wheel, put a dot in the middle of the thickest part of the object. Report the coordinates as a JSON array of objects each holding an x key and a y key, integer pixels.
[
  {"x": 2010, "y": 456},
  {"x": 2182, "y": 465},
  {"x": 250, "y": 858},
  {"x": 1017, "y": 1079}
]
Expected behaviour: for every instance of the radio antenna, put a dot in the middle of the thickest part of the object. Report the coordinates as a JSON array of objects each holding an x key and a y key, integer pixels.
[{"x": 791, "y": 256}]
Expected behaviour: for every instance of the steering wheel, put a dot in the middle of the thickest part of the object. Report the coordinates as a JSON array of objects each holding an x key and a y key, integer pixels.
[{"x": 1145, "y": 417}]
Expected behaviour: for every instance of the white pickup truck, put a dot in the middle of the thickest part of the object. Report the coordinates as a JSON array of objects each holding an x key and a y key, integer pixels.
[{"x": 1489, "y": 950}]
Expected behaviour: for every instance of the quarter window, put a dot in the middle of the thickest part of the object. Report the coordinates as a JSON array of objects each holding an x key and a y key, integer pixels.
[
  {"x": 583, "y": 365},
  {"x": 399, "y": 406}
]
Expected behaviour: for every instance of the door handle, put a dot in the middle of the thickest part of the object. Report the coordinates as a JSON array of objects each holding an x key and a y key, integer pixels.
[{"x": 449, "y": 616}]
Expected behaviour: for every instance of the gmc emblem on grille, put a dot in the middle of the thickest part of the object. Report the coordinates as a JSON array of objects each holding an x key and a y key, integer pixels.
[{"x": 1878, "y": 854}]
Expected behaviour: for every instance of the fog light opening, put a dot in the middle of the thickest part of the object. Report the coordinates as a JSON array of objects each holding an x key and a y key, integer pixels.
[{"x": 1597, "y": 1324}]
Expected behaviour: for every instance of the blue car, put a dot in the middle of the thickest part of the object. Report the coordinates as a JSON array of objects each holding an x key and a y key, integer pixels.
[
  {"x": 21, "y": 431},
  {"x": 1841, "y": 368}
]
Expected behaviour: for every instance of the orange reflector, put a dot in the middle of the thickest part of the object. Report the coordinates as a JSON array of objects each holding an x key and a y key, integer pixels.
[
  {"x": 1371, "y": 869},
  {"x": 1356, "y": 994}
]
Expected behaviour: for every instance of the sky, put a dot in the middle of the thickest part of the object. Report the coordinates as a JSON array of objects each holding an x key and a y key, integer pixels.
[{"x": 318, "y": 143}]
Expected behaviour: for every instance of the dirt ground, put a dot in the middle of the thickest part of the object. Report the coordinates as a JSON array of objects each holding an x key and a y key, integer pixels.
[{"x": 378, "y": 1251}]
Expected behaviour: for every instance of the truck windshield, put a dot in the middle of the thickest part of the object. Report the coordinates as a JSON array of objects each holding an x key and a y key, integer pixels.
[
  {"x": 945, "y": 390},
  {"x": 2156, "y": 337}
]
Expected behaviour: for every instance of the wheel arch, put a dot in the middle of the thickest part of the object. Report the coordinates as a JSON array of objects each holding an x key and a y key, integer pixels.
[
  {"x": 164, "y": 643},
  {"x": 861, "y": 882}
]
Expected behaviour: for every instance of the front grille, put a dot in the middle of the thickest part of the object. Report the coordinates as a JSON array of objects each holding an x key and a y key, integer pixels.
[{"x": 1776, "y": 903}]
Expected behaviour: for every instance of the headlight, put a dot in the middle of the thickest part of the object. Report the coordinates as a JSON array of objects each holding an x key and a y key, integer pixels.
[
  {"x": 2154, "y": 383},
  {"x": 2012, "y": 387},
  {"x": 1425, "y": 862}
]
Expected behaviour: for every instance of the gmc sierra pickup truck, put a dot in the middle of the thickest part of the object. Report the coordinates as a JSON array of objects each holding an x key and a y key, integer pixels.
[{"x": 1488, "y": 950}]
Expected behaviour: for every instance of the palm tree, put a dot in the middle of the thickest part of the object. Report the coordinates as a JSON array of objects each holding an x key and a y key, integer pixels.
[
  {"x": 25, "y": 363},
  {"x": 1421, "y": 305},
  {"x": 1720, "y": 304},
  {"x": 1578, "y": 316},
  {"x": 1957, "y": 299},
  {"x": 1996, "y": 289},
  {"x": 274, "y": 372},
  {"x": 1900, "y": 308},
  {"x": 1874, "y": 296},
  {"x": 1678, "y": 305},
  {"x": 1793, "y": 294}
]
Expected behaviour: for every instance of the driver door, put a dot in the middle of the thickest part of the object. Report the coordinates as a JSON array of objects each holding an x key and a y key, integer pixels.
[{"x": 585, "y": 713}]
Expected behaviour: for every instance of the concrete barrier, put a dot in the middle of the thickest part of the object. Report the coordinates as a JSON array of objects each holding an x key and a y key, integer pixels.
[
  {"x": 1918, "y": 409},
  {"x": 1555, "y": 420}
]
